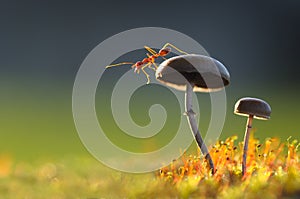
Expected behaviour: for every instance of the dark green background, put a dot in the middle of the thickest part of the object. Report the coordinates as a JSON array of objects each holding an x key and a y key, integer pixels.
[{"x": 42, "y": 45}]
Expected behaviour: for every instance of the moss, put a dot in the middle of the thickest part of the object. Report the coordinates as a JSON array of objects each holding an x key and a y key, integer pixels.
[{"x": 273, "y": 172}]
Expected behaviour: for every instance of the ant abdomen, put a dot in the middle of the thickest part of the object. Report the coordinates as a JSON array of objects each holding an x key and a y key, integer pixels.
[{"x": 164, "y": 51}]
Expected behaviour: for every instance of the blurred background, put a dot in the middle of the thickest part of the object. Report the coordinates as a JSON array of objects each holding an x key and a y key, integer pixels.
[{"x": 43, "y": 43}]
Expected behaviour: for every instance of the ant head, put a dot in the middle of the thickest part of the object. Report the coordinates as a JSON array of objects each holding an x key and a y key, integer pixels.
[
  {"x": 164, "y": 51},
  {"x": 138, "y": 64}
]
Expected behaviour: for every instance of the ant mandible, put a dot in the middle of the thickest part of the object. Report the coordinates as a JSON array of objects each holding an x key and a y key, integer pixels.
[{"x": 150, "y": 59}]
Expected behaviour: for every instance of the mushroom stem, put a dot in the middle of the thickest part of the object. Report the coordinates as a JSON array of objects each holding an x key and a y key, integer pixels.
[
  {"x": 193, "y": 125},
  {"x": 246, "y": 141}
]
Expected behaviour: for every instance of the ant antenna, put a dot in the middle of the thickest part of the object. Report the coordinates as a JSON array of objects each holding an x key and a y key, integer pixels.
[{"x": 119, "y": 64}]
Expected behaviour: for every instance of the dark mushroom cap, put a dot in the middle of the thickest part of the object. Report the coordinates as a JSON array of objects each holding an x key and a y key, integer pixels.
[
  {"x": 253, "y": 106},
  {"x": 206, "y": 74}
]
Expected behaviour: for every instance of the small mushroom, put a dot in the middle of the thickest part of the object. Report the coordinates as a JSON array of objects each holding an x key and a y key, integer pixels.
[
  {"x": 196, "y": 73},
  {"x": 252, "y": 108}
]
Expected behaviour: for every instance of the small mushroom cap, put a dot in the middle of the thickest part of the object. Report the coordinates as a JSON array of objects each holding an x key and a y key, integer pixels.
[
  {"x": 253, "y": 106},
  {"x": 206, "y": 74}
]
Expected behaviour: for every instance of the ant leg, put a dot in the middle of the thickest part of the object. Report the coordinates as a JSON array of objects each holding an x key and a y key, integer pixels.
[
  {"x": 119, "y": 64},
  {"x": 150, "y": 66},
  {"x": 143, "y": 69},
  {"x": 155, "y": 65},
  {"x": 153, "y": 52},
  {"x": 181, "y": 51}
]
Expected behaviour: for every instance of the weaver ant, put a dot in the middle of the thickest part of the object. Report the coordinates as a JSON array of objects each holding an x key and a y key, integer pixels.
[{"x": 150, "y": 59}]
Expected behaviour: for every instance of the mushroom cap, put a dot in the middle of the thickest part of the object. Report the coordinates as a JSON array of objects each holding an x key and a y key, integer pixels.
[
  {"x": 252, "y": 106},
  {"x": 206, "y": 74}
]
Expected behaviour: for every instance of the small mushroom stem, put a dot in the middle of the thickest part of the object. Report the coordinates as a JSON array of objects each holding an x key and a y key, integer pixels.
[
  {"x": 193, "y": 125},
  {"x": 246, "y": 142}
]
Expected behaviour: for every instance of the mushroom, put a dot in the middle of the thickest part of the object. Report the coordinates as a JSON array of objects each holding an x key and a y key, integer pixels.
[
  {"x": 196, "y": 73},
  {"x": 252, "y": 108}
]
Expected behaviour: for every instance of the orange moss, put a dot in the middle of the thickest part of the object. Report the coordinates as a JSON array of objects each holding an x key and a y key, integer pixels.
[{"x": 266, "y": 159}]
